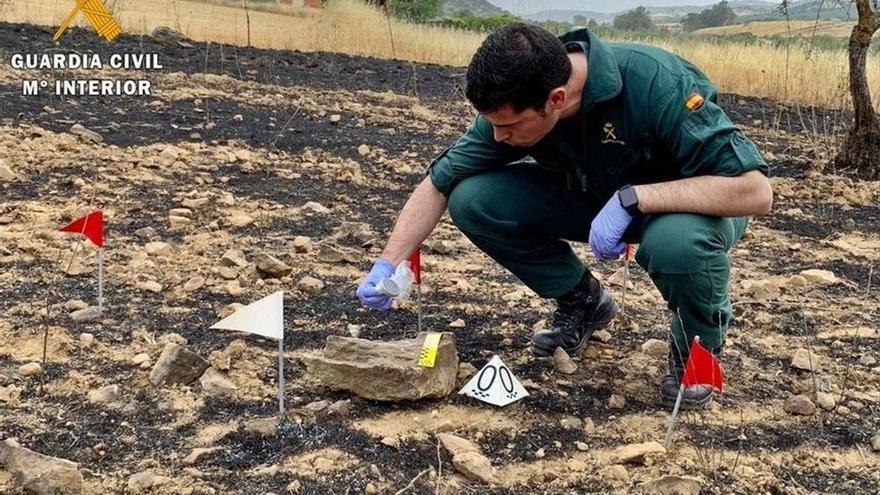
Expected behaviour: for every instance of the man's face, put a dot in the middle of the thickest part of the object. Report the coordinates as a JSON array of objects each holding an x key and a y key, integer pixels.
[{"x": 524, "y": 128}]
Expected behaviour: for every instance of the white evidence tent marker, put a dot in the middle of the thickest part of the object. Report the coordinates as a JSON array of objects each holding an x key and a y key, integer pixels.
[
  {"x": 495, "y": 384},
  {"x": 265, "y": 318}
]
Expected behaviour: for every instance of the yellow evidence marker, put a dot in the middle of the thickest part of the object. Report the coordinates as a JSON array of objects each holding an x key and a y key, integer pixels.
[{"x": 429, "y": 350}]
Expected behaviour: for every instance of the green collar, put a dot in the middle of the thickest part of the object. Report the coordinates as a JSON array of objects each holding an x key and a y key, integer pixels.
[{"x": 603, "y": 76}]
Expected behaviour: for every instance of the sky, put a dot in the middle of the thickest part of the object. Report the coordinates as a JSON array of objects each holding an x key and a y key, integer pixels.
[{"x": 531, "y": 6}]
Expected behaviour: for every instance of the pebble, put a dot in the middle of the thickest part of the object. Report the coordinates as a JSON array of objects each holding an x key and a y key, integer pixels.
[
  {"x": 875, "y": 443},
  {"x": 602, "y": 336},
  {"x": 616, "y": 402},
  {"x": 30, "y": 369},
  {"x": 540, "y": 453},
  {"x": 803, "y": 359},
  {"x": 459, "y": 323},
  {"x": 800, "y": 405},
  {"x": 562, "y": 362},
  {"x": 655, "y": 347},
  {"x": 354, "y": 330},
  {"x": 582, "y": 446},
  {"x": 91, "y": 313},
  {"x": 309, "y": 285},
  {"x": 86, "y": 339}
]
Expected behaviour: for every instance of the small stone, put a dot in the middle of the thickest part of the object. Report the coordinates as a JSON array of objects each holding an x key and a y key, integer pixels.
[
  {"x": 177, "y": 365},
  {"x": 294, "y": 487},
  {"x": 315, "y": 207},
  {"x": 602, "y": 336},
  {"x": 150, "y": 286},
  {"x": 227, "y": 272},
  {"x": 805, "y": 360},
  {"x": 238, "y": 117},
  {"x": 392, "y": 441},
  {"x": 145, "y": 481},
  {"x": 216, "y": 384},
  {"x": 669, "y": 485},
  {"x": 87, "y": 135},
  {"x": 177, "y": 223},
  {"x": 104, "y": 395},
  {"x": 267, "y": 427},
  {"x": 636, "y": 453},
  {"x": 843, "y": 411},
  {"x": 540, "y": 454},
  {"x": 37, "y": 473},
  {"x": 91, "y": 313},
  {"x": 181, "y": 212},
  {"x": 158, "y": 248},
  {"x": 240, "y": 220},
  {"x": 335, "y": 118},
  {"x": 30, "y": 369},
  {"x": 819, "y": 276},
  {"x": 615, "y": 472},
  {"x": 200, "y": 454},
  {"x": 271, "y": 266},
  {"x": 826, "y": 401},
  {"x": 233, "y": 257},
  {"x": 195, "y": 202},
  {"x": 582, "y": 446},
  {"x": 309, "y": 285},
  {"x": 86, "y": 339},
  {"x": 194, "y": 284},
  {"x": 459, "y": 323},
  {"x": 140, "y": 359},
  {"x": 867, "y": 360},
  {"x": 655, "y": 348},
  {"x": 562, "y": 362},
  {"x": 363, "y": 150},
  {"x": 10, "y": 395},
  {"x": 303, "y": 244},
  {"x": 570, "y": 423},
  {"x": 589, "y": 426},
  {"x": 6, "y": 173},
  {"x": 354, "y": 330},
  {"x": 800, "y": 405},
  {"x": 616, "y": 402},
  {"x": 875, "y": 443}
]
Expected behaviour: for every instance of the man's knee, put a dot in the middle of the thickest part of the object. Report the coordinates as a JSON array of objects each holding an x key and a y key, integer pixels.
[
  {"x": 475, "y": 206},
  {"x": 680, "y": 243}
]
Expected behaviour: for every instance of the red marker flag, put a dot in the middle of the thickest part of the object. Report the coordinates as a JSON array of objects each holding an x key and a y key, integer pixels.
[
  {"x": 91, "y": 226},
  {"x": 415, "y": 264},
  {"x": 702, "y": 368}
]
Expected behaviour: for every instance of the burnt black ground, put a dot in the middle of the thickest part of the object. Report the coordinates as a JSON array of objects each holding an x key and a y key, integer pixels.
[{"x": 437, "y": 85}]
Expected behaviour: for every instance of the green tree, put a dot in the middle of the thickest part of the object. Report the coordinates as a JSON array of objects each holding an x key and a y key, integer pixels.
[
  {"x": 579, "y": 20},
  {"x": 415, "y": 10},
  {"x": 634, "y": 20},
  {"x": 719, "y": 14}
]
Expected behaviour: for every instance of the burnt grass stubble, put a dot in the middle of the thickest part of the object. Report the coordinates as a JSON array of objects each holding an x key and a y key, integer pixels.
[{"x": 71, "y": 426}]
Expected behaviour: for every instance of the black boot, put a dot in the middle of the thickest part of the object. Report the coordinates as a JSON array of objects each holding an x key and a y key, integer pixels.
[
  {"x": 580, "y": 311},
  {"x": 694, "y": 396}
]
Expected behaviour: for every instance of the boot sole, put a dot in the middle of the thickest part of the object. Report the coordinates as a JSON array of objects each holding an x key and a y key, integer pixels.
[
  {"x": 605, "y": 318},
  {"x": 668, "y": 402}
]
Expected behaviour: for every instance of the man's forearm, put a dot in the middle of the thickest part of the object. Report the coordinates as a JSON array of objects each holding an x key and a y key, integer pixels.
[
  {"x": 417, "y": 219},
  {"x": 747, "y": 194}
]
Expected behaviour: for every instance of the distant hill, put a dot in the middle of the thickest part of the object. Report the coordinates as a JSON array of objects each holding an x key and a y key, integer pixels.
[
  {"x": 746, "y": 11},
  {"x": 481, "y": 7},
  {"x": 798, "y": 27}
]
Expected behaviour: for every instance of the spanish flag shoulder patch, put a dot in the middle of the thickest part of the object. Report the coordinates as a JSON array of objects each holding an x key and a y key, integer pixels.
[{"x": 694, "y": 101}]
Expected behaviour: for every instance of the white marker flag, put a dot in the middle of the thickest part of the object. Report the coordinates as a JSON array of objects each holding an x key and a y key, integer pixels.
[
  {"x": 495, "y": 384},
  {"x": 264, "y": 317}
]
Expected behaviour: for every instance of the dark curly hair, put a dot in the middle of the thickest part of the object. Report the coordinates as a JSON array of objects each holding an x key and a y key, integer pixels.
[{"x": 518, "y": 64}]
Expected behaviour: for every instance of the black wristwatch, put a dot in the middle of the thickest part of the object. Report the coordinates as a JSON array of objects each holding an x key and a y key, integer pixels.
[{"x": 629, "y": 200}]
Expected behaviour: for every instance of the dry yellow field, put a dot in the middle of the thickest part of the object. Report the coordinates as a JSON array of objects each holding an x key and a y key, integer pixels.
[
  {"x": 840, "y": 29},
  {"x": 347, "y": 26}
]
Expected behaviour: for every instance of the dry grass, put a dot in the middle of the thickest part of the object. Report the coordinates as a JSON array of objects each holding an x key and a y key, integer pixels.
[
  {"x": 817, "y": 78},
  {"x": 802, "y": 27}
]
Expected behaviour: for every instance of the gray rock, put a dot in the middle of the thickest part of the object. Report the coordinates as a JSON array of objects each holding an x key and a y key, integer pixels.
[
  {"x": 385, "y": 370},
  {"x": 826, "y": 401},
  {"x": 86, "y": 134},
  {"x": 105, "y": 395},
  {"x": 303, "y": 244},
  {"x": 272, "y": 266},
  {"x": 30, "y": 369},
  {"x": 562, "y": 362},
  {"x": 800, "y": 405},
  {"x": 216, "y": 384},
  {"x": 805, "y": 360},
  {"x": 636, "y": 453},
  {"x": 38, "y": 473},
  {"x": 655, "y": 347},
  {"x": 233, "y": 257},
  {"x": 91, "y": 313},
  {"x": 671, "y": 485},
  {"x": 875, "y": 443},
  {"x": 467, "y": 459},
  {"x": 309, "y": 285},
  {"x": 177, "y": 365},
  {"x": 602, "y": 336}
]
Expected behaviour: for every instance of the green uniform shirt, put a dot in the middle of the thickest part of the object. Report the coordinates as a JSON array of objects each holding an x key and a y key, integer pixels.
[{"x": 646, "y": 116}]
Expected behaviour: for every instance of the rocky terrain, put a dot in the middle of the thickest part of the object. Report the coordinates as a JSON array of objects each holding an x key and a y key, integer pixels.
[{"x": 250, "y": 171}]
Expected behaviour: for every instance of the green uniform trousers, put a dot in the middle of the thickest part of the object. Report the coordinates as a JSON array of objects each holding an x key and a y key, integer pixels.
[{"x": 521, "y": 218}]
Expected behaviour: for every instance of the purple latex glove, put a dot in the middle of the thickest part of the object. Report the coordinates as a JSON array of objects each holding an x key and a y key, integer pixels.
[
  {"x": 606, "y": 231},
  {"x": 367, "y": 291}
]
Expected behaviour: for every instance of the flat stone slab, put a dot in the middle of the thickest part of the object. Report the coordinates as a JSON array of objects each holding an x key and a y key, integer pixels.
[{"x": 386, "y": 371}]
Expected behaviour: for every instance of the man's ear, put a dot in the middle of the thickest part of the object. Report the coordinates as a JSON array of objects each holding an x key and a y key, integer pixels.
[{"x": 557, "y": 98}]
